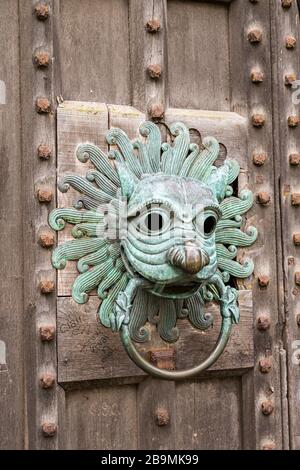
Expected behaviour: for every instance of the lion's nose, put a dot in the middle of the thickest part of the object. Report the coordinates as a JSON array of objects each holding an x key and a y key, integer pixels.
[
  {"x": 190, "y": 258},
  {"x": 193, "y": 258}
]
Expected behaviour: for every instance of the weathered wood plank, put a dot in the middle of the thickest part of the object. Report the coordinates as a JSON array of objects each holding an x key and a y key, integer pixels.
[
  {"x": 93, "y": 50},
  {"x": 248, "y": 99},
  {"x": 198, "y": 55},
  {"x": 209, "y": 414},
  {"x": 102, "y": 419},
  {"x": 79, "y": 122},
  {"x": 11, "y": 249},
  {"x": 88, "y": 351},
  {"x": 218, "y": 420},
  {"x": 286, "y": 142}
]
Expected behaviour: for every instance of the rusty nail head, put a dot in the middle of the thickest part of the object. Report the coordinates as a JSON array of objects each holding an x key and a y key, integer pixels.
[
  {"x": 47, "y": 380},
  {"x": 42, "y": 59},
  {"x": 154, "y": 70},
  {"x": 46, "y": 239},
  {"x": 43, "y": 106},
  {"x": 295, "y": 199},
  {"x": 162, "y": 417},
  {"x": 44, "y": 152},
  {"x": 42, "y": 11},
  {"x": 265, "y": 364},
  {"x": 153, "y": 25},
  {"x": 263, "y": 198},
  {"x": 293, "y": 121},
  {"x": 290, "y": 42},
  {"x": 286, "y": 3},
  {"x": 47, "y": 333},
  {"x": 263, "y": 322},
  {"x": 267, "y": 407},
  {"x": 258, "y": 120},
  {"x": 297, "y": 278},
  {"x": 255, "y": 36},
  {"x": 294, "y": 159},
  {"x": 47, "y": 287},
  {"x": 289, "y": 79},
  {"x": 156, "y": 111},
  {"x": 296, "y": 239},
  {"x": 259, "y": 159},
  {"x": 44, "y": 195},
  {"x": 263, "y": 281},
  {"x": 257, "y": 77},
  {"x": 49, "y": 429}
]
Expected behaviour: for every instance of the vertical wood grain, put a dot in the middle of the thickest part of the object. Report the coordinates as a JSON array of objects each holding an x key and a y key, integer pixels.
[
  {"x": 93, "y": 50},
  {"x": 209, "y": 414},
  {"x": 286, "y": 142},
  {"x": 198, "y": 55},
  {"x": 11, "y": 252},
  {"x": 247, "y": 99},
  {"x": 40, "y": 357},
  {"x": 103, "y": 418}
]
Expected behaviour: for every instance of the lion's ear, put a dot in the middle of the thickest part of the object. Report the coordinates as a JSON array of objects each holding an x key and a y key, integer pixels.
[
  {"x": 218, "y": 181},
  {"x": 126, "y": 179}
]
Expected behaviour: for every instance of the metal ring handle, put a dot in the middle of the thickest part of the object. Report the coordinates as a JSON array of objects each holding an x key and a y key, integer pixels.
[{"x": 177, "y": 375}]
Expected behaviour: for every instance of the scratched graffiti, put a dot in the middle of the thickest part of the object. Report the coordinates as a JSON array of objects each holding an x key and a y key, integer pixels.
[
  {"x": 91, "y": 340},
  {"x": 98, "y": 343},
  {"x": 74, "y": 324},
  {"x": 105, "y": 410}
]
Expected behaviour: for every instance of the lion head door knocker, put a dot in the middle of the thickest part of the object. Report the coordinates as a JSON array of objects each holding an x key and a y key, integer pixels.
[{"x": 179, "y": 227}]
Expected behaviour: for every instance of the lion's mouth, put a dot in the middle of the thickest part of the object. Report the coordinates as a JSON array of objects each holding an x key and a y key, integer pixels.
[{"x": 176, "y": 291}]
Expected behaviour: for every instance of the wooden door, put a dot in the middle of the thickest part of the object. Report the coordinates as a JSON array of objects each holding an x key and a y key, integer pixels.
[{"x": 74, "y": 69}]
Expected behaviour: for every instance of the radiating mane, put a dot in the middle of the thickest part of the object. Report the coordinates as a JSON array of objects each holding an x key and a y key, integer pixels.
[{"x": 99, "y": 261}]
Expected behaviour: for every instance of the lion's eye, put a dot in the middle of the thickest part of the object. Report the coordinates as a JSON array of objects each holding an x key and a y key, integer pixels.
[
  {"x": 154, "y": 221},
  {"x": 205, "y": 223},
  {"x": 209, "y": 225}
]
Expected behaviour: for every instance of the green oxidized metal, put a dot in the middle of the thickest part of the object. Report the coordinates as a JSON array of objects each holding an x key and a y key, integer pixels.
[{"x": 156, "y": 232}]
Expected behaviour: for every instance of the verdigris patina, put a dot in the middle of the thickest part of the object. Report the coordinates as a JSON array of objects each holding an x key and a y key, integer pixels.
[{"x": 156, "y": 232}]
